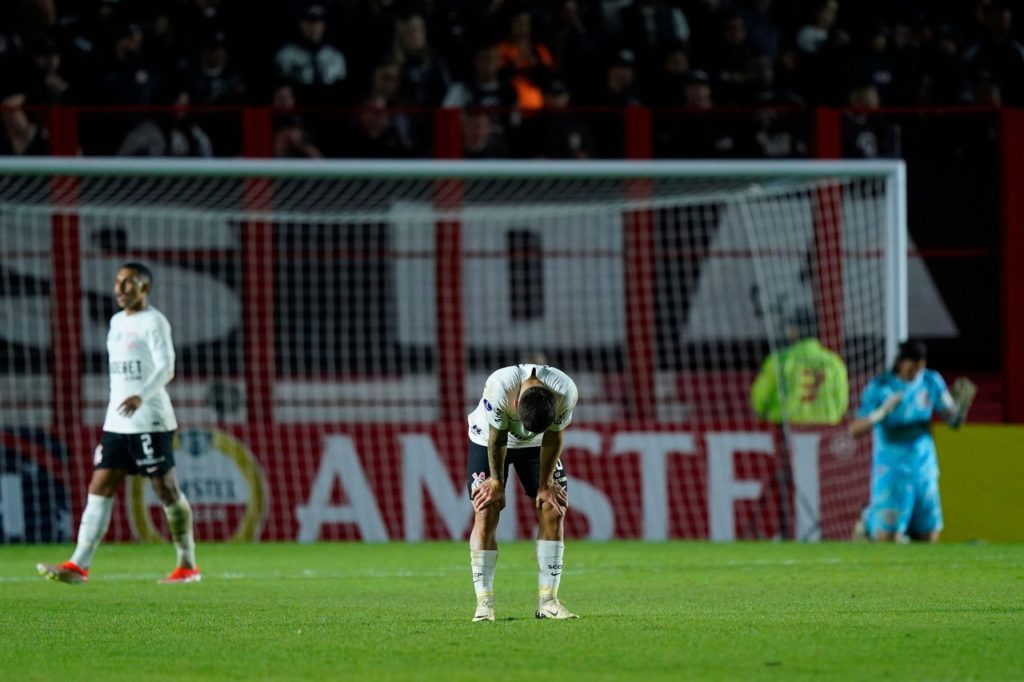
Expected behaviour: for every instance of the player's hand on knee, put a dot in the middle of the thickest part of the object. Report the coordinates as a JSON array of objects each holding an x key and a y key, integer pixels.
[
  {"x": 554, "y": 496},
  {"x": 489, "y": 493}
]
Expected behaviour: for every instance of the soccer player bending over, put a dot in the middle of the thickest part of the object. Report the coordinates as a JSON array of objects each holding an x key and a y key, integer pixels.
[
  {"x": 138, "y": 431},
  {"x": 519, "y": 422},
  {"x": 898, "y": 405}
]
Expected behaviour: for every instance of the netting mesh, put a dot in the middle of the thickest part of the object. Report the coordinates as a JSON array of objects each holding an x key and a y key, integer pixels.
[{"x": 332, "y": 333}]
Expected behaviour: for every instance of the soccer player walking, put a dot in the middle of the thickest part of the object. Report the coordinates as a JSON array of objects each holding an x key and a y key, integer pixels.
[
  {"x": 138, "y": 430},
  {"x": 519, "y": 422},
  {"x": 898, "y": 405}
]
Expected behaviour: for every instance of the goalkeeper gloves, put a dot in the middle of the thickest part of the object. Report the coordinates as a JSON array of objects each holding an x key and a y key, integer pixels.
[{"x": 964, "y": 391}]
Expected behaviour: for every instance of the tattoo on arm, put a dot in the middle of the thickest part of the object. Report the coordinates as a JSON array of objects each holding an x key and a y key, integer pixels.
[
  {"x": 497, "y": 443},
  {"x": 550, "y": 451}
]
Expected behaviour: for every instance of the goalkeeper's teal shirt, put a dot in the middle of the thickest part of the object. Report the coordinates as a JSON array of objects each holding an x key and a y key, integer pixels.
[{"x": 804, "y": 383}]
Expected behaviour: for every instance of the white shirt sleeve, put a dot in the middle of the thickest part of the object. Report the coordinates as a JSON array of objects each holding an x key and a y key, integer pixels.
[
  {"x": 158, "y": 338},
  {"x": 495, "y": 403}
]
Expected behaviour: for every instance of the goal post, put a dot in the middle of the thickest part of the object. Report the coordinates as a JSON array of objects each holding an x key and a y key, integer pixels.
[{"x": 334, "y": 322}]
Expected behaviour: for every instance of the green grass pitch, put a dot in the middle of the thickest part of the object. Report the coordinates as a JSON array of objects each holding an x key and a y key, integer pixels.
[{"x": 346, "y": 611}]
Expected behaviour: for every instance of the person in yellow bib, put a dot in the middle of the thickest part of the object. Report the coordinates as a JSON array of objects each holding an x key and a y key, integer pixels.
[{"x": 804, "y": 382}]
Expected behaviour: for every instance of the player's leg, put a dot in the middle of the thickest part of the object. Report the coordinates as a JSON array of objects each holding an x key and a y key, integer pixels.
[
  {"x": 483, "y": 539},
  {"x": 550, "y": 539},
  {"x": 112, "y": 462},
  {"x": 926, "y": 519},
  {"x": 892, "y": 501},
  {"x": 154, "y": 453}
]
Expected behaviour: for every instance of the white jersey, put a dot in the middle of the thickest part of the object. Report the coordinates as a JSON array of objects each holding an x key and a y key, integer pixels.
[
  {"x": 498, "y": 408},
  {"x": 141, "y": 358}
]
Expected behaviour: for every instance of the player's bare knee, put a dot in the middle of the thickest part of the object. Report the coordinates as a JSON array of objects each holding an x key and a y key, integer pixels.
[
  {"x": 547, "y": 512},
  {"x": 166, "y": 490},
  {"x": 885, "y": 536}
]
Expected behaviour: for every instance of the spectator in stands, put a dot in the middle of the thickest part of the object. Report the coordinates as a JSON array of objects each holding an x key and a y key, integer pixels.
[
  {"x": 615, "y": 91},
  {"x": 617, "y": 87},
  {"x": 291, "y": 138},
  {"x": 765, "y": 36},
  {"x": 943, "y": 80},
  {"x": 556, "y": 132},
  {"x": 315, "y": 69},
  {"x": 728, "y": 64},
  {"x": 168, "y": 133},
  {"x": 773, "y": 133},
  {"x": 999, "y": 54},
  {"x": 367, "y": 29},
  {"x": 665, "y": 81},
  {"x": 986, "y": 91},
  {"x": 213, "y": 80},
  {"x": 574, "y": 44},
  {"x": 45, "y": 84},
  {"x": 872, "y": 62},
  {"x": 823, "y": 56},
  {"x": 866, "y": 134},
  {"x": 124, "y": 77},
  {"x": 693, "y": 133},
  {"x": 425, "y": 74},
  {"x": 529, "y": 63},
  {"x": 489, "y": 92},
  {"x": 374, "y": 133},
  {"x": 815, "y": 35},
  {"x": 486, "y": 87},
  {"x": 481, "y": 139},
  {"x": 803, "y": 382},
  {"x": 650, "y": 26},
  {"x": 19, "y": 134}
]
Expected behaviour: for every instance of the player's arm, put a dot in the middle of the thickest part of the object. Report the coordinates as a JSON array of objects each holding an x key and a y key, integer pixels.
[
  {"x": 492, "y": 490},
  {"x": 764, "y": 394},
  {"x": 549, "y": 492},
  {"x": 841, "y": 389},
  {"x": 956, "y": 402},
  {"x": 873, "y": 415},
  {"x": 162, "y": 353}
]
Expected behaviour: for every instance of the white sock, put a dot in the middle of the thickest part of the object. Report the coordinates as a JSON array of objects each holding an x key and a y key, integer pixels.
[
  {"x": 483, "y": 562},
  {"x": 95, "y": 520},
  {"x": 179, "y": 520},
  {"x": 549, "y": 567}
]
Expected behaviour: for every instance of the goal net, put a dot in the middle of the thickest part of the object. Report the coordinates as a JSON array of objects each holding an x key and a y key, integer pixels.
[{"x": 334, "y": 323}]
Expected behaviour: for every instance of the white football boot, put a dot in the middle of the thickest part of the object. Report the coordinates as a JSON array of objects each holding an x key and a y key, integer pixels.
[
  {"x": 484, "y": 609},
  {"x": 550, "y": 607}
]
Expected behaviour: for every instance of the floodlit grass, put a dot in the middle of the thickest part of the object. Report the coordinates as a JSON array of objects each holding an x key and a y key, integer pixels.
[{"x": 648, "y": 611}]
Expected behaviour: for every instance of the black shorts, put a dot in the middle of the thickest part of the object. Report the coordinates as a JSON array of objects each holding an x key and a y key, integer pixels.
[
  {"x": 525, "y": 460},
  {"x": 145, "y": 454}
]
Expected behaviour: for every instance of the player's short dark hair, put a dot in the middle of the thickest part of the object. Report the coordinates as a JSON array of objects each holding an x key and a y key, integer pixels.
[
  {"x": 144, "y": 273},
  {"x": 912, "y": 350},
  {"x": 805, "y": 322},
  {"x": 537, "y": 408}
]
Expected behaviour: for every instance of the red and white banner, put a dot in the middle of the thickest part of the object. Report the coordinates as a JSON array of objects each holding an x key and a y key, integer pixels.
[{"x": 382, "y": 482}]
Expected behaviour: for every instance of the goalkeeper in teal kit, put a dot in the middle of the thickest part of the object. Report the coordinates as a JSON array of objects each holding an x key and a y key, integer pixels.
[{"x": 898, "y": 405}]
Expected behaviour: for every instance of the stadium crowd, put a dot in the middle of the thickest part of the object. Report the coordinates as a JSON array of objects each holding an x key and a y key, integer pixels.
[{"x": 357, "y": 78}]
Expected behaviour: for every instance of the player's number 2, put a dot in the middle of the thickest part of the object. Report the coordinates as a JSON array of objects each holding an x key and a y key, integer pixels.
[{"x": 147, "y": 444}]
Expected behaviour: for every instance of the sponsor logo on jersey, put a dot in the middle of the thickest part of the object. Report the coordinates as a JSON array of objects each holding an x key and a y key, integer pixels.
[
  {"x": 487, "y": 405},
  {"x": 222, "y": 481}
]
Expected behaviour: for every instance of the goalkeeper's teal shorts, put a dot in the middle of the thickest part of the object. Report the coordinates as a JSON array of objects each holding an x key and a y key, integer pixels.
[{"x": 904, "y": 496}]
